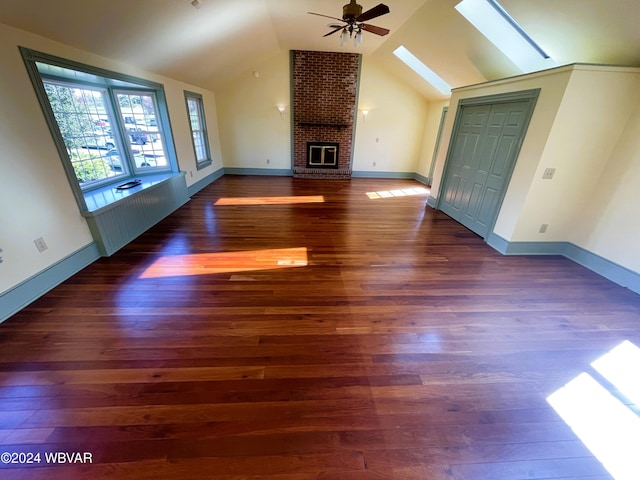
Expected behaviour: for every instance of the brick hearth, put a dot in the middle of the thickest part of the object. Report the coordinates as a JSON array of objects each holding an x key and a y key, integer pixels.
[{"x": 325, "y": 87}]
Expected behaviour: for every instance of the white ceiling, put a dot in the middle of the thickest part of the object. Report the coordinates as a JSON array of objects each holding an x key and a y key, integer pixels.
[{"x": 211, "y": 45}]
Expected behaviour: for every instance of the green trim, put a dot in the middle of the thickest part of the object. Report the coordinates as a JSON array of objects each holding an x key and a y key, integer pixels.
[
  {"x": 196, "y": 96},
  {"x": 276, "y": 172},
  {"x": 432, "y": 201},
  {"x": 594, "y": 262},
  {"x": 436, "y": 148},
  {"x": 113, "y": 81},
  {"x": 421, "y": 178},
  {"x": 291, "y": 112},
  {"x": 369, "y": 174},
  {"x": 355, "y": 113},
  {"x": 14, "y": 300},
  {"x": 30, "y": 57},
  {"x": 205, "y": 182},
  {"x": 506, "y": 97},
  {"x": 497, "y": 243}
]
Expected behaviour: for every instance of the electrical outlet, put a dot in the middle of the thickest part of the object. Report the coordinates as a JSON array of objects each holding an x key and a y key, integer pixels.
[
  {"x": 548, "y": 173},
  {"x": 374, "y": 164},
  {"x": 543, "y": 228},
  {"x": 40, "y": 244},
  {"x": 268, "y": 161},
  {"x": 191, "y": 173}
]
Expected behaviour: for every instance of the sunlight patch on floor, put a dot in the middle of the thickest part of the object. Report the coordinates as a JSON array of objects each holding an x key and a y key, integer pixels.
[
  {"x": 402, "y": 192},
  {"x": 270, "y": 200},
  {"x": 226, "y": 262},
  {"x": 608, "y": 427},
  {"x": 621, "y": 366}
]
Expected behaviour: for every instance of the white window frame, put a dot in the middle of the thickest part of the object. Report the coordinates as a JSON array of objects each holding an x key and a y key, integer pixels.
[{"x": 149, "y": 151}]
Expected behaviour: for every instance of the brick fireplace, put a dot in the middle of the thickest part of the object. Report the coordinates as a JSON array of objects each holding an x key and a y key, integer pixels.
[{"x": 325, "y": 89}]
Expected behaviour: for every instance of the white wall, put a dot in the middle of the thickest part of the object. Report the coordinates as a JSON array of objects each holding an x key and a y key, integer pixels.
[
  {"x": 35, "y": 196},
  {"x": 392, "y": 134}
]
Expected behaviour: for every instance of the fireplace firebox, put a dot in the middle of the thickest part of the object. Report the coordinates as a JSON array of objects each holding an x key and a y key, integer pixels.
[{"x": 322, "y": 154}]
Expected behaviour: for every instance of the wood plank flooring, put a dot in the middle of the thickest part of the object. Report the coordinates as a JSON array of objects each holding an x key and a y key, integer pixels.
[{"x": 290, "y": 329}]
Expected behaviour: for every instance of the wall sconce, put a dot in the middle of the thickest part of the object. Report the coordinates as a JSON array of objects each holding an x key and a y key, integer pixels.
[
  {"x": 364, "y": 115},
  {"x": 281, "y": 109}
]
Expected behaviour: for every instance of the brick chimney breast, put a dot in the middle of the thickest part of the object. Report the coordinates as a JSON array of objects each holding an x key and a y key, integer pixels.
[{"x": 325, "y": 87}]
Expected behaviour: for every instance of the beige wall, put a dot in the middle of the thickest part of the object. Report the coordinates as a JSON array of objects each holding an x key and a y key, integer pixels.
[
  {"x": 610, "y": 210},
  {"x": 35, "y": 196},
  {"x": 431, "y": 127},
  {"x": 392, "y": 134},
  {"x": 252, "y": 130},
  {"x": 595, "y": 108}
]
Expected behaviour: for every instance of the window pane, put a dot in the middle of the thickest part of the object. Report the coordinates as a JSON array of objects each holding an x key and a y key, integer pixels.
[
  {"x": 144, "y": 135},
  {"x": 198, "y": 130},
  {"x": 194, "y": 114},
  {"x": 79, "y": 112}
]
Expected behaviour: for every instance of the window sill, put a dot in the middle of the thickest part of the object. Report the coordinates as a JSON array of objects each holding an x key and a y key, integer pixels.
[
  {"x": 203, "y": 164},
  {"x": 105, "y": 198}
]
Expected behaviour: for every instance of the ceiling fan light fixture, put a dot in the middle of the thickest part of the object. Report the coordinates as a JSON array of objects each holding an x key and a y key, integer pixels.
[
  {"x": 353, "y": 19},
  {"x": 357, "y": 40},
  {"x": 344, "y": 36}
]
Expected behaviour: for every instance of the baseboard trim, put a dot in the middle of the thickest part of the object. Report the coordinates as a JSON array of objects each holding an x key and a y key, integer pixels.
[
  {"x": 594, "y": 262},
  {"x": 432, "y": 201},
  {"x": 33, "y": 288},
  {"x": 366, "y": 174},
  {"x": 421, "y": 178},
  {"x": 205, "y": 182},
  {"x": 276, "y": 172}
]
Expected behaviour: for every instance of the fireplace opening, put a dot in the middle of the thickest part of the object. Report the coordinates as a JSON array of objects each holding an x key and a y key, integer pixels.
[{"x": 322, "y": 155}]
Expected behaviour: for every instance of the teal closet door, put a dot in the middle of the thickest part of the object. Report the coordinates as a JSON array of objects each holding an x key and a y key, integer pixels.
[{"x": 484, "y": 151}]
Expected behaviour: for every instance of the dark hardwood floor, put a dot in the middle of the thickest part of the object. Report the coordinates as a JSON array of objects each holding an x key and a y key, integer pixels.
[{"x": 278, "y": 336}]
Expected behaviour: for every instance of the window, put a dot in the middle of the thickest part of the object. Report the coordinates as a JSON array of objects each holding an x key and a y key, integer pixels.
[
  {"x": 421, "y": 69},
  {"x": 102, "y": 145},
  {"x": 493, "y": 21},
  {"x": 195, "y": 111},
  {"x": 83, "y": 121},
  {"x": 107, "y": 126}
]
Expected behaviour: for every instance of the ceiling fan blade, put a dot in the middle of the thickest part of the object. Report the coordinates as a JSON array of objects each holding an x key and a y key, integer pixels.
[
  {"x": 333, "y": 31},
  {"x": 326, "y": 16},
  {"x": 374, "y": 12},
  {"x": 373, "y": 29}
]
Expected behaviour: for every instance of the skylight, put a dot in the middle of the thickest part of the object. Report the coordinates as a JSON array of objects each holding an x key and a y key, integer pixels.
[
  {"x": 503, "y": 31},
  {"x": 421, "y": 69}
]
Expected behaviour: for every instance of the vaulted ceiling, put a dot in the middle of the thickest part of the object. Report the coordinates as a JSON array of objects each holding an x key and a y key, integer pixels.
[{"x": 210, "y": 45}]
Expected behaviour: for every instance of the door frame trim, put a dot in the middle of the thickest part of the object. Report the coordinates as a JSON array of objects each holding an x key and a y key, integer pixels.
[{"x": 530, "y": 96}]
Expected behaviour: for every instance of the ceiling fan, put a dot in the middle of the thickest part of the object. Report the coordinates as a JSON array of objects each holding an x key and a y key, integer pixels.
[{"x": 352, "y": 22}]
